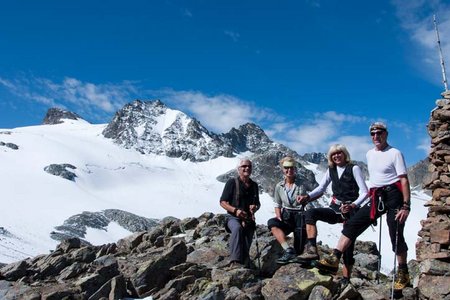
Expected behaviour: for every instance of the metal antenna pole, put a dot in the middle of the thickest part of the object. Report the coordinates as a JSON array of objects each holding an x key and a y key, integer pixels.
[{"x": 444, "y": 76}]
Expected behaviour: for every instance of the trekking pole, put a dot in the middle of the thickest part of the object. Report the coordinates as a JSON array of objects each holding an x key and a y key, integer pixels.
[
  {"x": 379, "y": 250},
  {"x": 258, "y": 254},
  {"x": 395, "y": 261}
]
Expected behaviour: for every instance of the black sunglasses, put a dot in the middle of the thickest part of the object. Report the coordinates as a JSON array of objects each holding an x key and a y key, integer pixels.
[
  {"x": 245, "y": 166},
  {"x": 372, "y": 133},
  {"x": 287, "y": 168}
]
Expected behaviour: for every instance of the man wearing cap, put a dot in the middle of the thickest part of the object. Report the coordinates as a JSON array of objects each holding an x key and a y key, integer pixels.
[
  {"x": 287, "y": 211},
  {"x": 390, "y": 194}
]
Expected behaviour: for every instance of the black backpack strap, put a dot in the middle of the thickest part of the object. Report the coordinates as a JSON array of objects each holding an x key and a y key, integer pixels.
[{"x": 236, "y": 192}]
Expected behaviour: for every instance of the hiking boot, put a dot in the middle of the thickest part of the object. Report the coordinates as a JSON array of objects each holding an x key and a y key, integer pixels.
[
  {"x": 402, "y": 280},
  {"x": 329, "y": 264},
  {"x": 309, "y": 253},
  {"x": 343, "y": 282},
  {"x": 235, "y": 265},
  {"x": 289, "y": 256}
]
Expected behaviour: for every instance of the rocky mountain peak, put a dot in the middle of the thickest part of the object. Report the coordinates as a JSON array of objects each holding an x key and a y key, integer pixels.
[
  {"x": 419, "y": 174},
  {"x": 55, "y": 115},
  {"x": 316, "y": 157},
  {"x": 152, "y": 127},
  {"x": 248, "y": 137}
]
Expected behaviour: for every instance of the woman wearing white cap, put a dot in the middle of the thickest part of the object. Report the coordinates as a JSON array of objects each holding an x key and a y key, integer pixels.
[{"x": 287, "y": 209}]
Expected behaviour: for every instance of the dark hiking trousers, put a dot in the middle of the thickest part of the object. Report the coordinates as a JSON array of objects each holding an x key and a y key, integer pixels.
[
  {"x": 240, "y": 239},
  {"x": 393, "y": 200},
  {"x": 293, "y": 221},
  {"x": 328, "y": 215}
]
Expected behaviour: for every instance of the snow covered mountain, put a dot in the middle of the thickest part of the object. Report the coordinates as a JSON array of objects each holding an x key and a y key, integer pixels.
[
  {"x": 102, "y": 182},
  {"x": 151, "y": 127}
]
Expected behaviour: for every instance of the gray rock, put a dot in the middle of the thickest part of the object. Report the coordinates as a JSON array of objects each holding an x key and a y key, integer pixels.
[
  {"x": 15, "y": 271},
  {"x": 113, "y": 289},
  {"x": 61, "y": 171},
  {"x": 56, "y": 115},
  {"x": 66, "y": 245},
  {"x": 129, "y": 221},
  {"x": 76, "y": 226},
  {"x": 72, "y": 271},
  {"x": 9, "y": 145},
  {"x": 367, "y": 261},
  {"x": 293, "y": 282},
  {"x": 145, "y": 280},
  {"x": 435, "y": 267},
  {"x": 321, "y": 293},
  {"x": 166, "y": 269},
  {"x": 130, "y": 242}
]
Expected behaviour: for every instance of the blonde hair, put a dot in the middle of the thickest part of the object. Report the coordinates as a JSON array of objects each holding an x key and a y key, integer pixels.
[
  {"x": 337, "y": 148},
  {"x": 288, "y": 159}
]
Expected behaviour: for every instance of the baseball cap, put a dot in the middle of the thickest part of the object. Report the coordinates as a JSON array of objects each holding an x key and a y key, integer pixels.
[
  {"x": 377, "y": 126},
  {"x": 288, "y": 164}
]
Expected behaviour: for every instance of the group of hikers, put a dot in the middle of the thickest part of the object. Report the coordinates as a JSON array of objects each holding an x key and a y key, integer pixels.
[{"x": 352, "y": 204}]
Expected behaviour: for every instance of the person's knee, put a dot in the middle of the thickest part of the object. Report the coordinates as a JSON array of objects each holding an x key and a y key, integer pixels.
[
  {"x": 310, "y": 218},
  {"x": 347, "y": 232},
  {"x": 235, "y": 227},
  {"x": 272, "y": 223},
  {"x": 402, "y": 247}
]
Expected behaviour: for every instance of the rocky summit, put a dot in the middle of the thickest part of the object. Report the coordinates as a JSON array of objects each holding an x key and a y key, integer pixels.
[
  {"x": 186, "y": 259},
  {"x": 152, "y": 127},
  {"x": 56, "y": 115}
]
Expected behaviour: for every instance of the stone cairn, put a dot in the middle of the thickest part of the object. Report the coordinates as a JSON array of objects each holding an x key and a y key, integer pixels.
[{"x": 433, "y": 246}]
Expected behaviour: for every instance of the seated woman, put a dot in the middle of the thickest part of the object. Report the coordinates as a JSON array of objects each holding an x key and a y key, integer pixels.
[
  {"x": 286, "y": 209},
  {"x": 349, "y": 191}
]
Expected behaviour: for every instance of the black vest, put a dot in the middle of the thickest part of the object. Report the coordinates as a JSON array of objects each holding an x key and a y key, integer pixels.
[{"x": 345, "y": 188}]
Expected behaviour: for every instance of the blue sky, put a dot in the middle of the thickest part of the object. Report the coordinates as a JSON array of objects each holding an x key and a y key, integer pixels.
[{"x": 310, "y": 73}]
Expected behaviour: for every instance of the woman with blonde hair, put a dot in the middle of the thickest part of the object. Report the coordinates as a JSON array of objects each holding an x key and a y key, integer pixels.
[
  {"x": 287, "y": 209},
  {"x": 349, "y": 192}
]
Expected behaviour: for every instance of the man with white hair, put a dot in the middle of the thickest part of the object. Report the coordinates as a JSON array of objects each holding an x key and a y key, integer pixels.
[{"x": 240, "y": 198}]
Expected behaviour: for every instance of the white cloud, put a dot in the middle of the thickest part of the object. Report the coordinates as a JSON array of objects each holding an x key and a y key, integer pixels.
[
  {"x": 86, "y": 97},
  {"x": 416, "y": 17},
  {"x": 218, "y": 113},
  {"x": 339, "y": 117},
  {"x": 318, "y": 134},
  {"x": 356, "y": 145},
  {"x": 7, "y": 83},
  {"x": 424, "y": 146}
]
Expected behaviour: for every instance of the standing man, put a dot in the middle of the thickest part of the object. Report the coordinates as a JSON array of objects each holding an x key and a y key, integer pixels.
[
  {"x": 240, "y": 198},
  {"x": 390, "y": 194}
]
